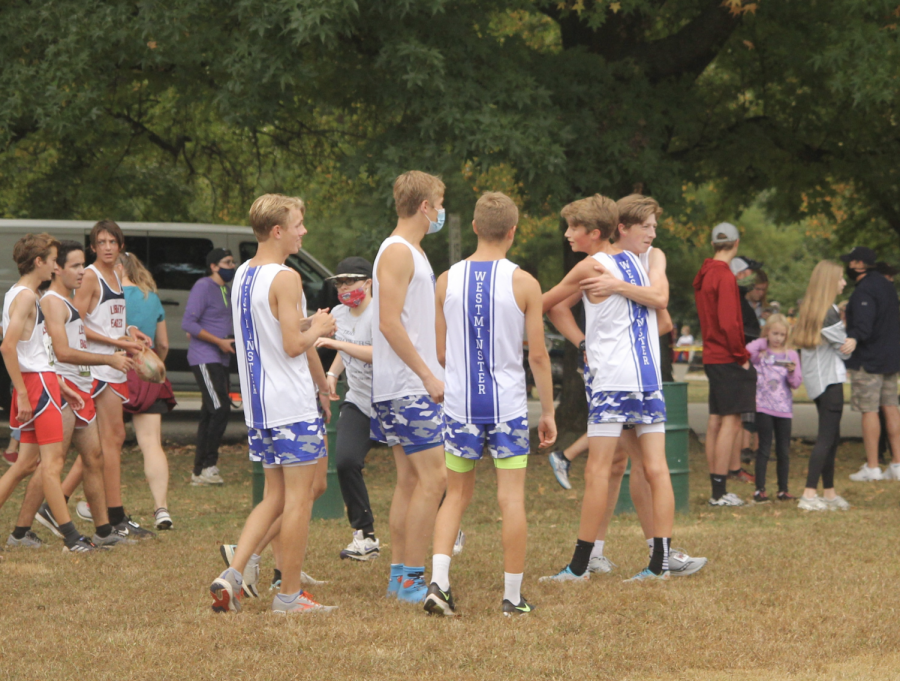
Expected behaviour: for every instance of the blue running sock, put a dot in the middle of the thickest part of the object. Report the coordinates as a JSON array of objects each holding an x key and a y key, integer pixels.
[
  {"x": 412, "y": 573},
  {"x": 396, "y": 570},
  {"x": 289, "y": 598}
]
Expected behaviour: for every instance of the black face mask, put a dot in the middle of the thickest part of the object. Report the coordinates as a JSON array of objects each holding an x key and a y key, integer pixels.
[{"x": 852, "y": 274}]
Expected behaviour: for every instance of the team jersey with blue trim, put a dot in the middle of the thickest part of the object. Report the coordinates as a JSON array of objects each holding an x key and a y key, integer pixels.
[
  {"x": 484, "y": 373},
  {"x": 276, "y": 389},
  {"x": 621, "y": 336},
  {"x": 30, "y": 351},
  {"x": 107, "y": 319},
  {"x": 391, "y": 377},
  {"x": 79, "y": 375}
]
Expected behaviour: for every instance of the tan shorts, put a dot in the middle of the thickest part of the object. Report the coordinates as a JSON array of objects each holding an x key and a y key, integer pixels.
[{"x": 868, "y": 391}]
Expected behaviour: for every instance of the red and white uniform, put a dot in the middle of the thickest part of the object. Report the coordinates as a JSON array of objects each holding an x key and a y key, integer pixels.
[
  {"x": 108, "y": 319},
  {"x": 78, "y": 378},
  {"x": 45, "y": 425}
]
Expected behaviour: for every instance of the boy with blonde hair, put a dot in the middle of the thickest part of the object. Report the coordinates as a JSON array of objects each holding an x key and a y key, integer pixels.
[{"x": 485, "y": 305}]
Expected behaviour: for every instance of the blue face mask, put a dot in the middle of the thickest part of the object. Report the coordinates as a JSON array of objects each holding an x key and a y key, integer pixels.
[
  {"x": 227, "y": 273},
  {"x": 435, "y": 227}
]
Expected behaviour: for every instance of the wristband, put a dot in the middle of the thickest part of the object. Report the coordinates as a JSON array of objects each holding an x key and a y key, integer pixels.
[{"x": 328, "y": 373}]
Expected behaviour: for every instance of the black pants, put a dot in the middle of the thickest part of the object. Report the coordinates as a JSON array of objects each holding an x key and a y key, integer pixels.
[
  {"x": 350, "y": 452},
  {"x": 768, "y": 428},
  {"x": 830, "y": 405},
  {"x": 213, "y": 381}
]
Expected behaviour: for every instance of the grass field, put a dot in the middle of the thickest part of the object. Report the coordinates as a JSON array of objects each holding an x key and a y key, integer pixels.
[{"x": 785, "y": 595}]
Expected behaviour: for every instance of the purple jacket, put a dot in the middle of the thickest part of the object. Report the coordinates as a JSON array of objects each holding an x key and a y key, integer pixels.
[
  {"x": 773, "y": 383},
  {"x": 208, "y": 309}
]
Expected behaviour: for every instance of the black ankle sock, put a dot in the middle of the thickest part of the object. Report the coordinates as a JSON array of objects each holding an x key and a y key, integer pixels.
[
  {"x": 277, "y": 576},
  {"x": 116, "y": 515},
  {"x": 734, "y": 472},
  {"x": 581, "y": 556},
  {"x": 718, "y": 485},
  {"x": 69, "y": 533},
  {"x": 103, "y": 531},
  {"x": 368, "y": 531},
  {"x": 659, "y": 561},
  {"x": 19, "y": 532}
]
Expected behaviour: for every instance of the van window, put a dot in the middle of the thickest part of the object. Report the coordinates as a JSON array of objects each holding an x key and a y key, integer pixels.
[
  {"x": 319, "y": 293},
  {"x": 175, "y": 262}
]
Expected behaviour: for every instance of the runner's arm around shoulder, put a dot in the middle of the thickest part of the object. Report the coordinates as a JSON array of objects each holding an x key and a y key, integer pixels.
[
  {"x": 568, "y": 286},
  {"x": 527, "y": 288},
  {"x": 395, "y": 271},
  {"x": 21, "y": 310},
  {"x": 284, "y": 301},
  {"x": 440, "y": 322},
  {"x": 656, "y": 295},
  {"x": 55, "y": 315}
]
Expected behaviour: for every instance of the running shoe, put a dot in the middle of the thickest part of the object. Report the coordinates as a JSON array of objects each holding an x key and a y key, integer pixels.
[
  {"x": 891, "y": 472},
  {"x": 161, "y": 519},
  {"x": 836, "y": 504},
  {"x": 785, "y": 496},
  {"x": 560, "y": 466},
  {"x": 45, "y": 518},
  {"x": 812, "y": 504},
  {"x": 439, "y": 602},
  {"x": 83, "y": 511},
  {"x": 208, "y": 476},
  {"x": 460, "y": 543},
  {"x": 114, "y": 538},
  {"x": 226, "y": 592},
  {"x": 275, "y": 585},
  {"x": 646, "y": 575},
  {"x": 523, "y": 608},
  {"x": 566, "y": 575},
  {"x": 727, "y": 500},
  {"x": 9, "y": 458},
  {"x": 393, "y": 586},
  {"x": 866, "y": 474},
  {"x": 742, "y": 476},
  {"x": 760, "y": 497},
  {"x": 29, "y": 541},
  {"x": 227, "y": 553},
  {"x": 600, "y": 565},
  {"x": 412, "y": 590},
  {"x": 303, "y": 603},
  {"x": 134, "y": 530},
  {"x": 251, "y": 579},
  {"x": 682, "y": 565},
  {"x": 306, "y": 580},
  {"x": 81, "y": 545},
  {"x": 361, "y": 548}
]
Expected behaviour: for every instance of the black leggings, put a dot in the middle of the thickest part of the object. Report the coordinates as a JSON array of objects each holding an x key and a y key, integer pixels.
[
  {"x": 830, "y": 405},
  {"x": 768, "y": 426},
  {"x": 350, "y": 452}
]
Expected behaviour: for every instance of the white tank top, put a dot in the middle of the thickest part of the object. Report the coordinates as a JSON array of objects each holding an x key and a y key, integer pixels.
[
  {"x": 30, "y": 352},
  {"x": 276, "y": 389},
  {"x": 79, "y": 375},
  {"x": 107, "y": 319},
  {"x": 391, "y": 378},
  {"x": 485, "y": 376},
  {"x": 622, "y": 337}
]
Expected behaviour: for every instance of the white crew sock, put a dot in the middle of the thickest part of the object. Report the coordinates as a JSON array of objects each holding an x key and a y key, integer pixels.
[
  {"x": 650, "y": 545},
  {"x": 254, "y": 560},
  {"x": 512, "y": 588},
  {"x": 597, "y": 551},
  {"x": 440, "y": 571},
  {"x": 895, "y": 469}
]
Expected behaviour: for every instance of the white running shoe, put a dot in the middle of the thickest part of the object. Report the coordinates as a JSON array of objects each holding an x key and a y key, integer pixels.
[
  {"x": 362, "y": 547},
  {"x": 892, "y": 471},
  {"x": 836, "y": 504},
  {"x": 208, "y": 476},
  {"x": 682, "y": 565},
  {"x": 600, "y": 565},
  {"x": 566, "y": 575},
  {"x": 866, "y": 474},
  {"x": 302, "y": 604},
  {"x": 83, "y": 511},
  {"x": 460, "y": 543},
  {"x": 162, "y": 519},
  {"x": 306, "y": 580},
  {"x": 727, "y": 500},
  {"x": 814, "y": 504}
]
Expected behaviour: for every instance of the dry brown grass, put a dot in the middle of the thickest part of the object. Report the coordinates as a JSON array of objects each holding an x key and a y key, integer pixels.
[{"x": 785, "y": 596}]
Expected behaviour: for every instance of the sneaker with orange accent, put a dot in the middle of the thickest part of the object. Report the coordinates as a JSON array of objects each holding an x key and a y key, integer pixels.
[
  {"x": 9, "y": 458},
  {"x": 302, "y": 603},
  {"x": 742, "y": 476},
  {"x": 226, "y": 591}
]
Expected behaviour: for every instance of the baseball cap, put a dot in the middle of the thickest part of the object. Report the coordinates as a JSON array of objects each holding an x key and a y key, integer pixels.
[
  {"x": 725, "y": 232},
  {"x": 867, "y": 255},
  {"x": 886, "y": 269},
  {"x": 353, "y": 267},
  {"x": 215, "y": 255},
  {"x": 742, "y": 263}
]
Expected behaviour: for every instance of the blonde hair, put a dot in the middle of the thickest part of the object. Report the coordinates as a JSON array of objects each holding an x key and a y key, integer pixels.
[
  {"x": 495, "y": 215},
  {"x": 412, "y": 188},
  {"x": 136, "y": 272},
  {"x": 772, "y": 321},
  {"x": 33, "y": 246},
  {"x": 635, "y": 208},
  {"x": 819, "y": 297},
  {"x": 595, "y": 212},
  {"x": 270, "y": 210}
]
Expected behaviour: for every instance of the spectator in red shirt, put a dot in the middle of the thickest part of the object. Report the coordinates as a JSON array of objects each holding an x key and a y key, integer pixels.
[{"x": 732, "y": 381}]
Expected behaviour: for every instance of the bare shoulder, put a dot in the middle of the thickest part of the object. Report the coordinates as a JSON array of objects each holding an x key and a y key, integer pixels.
[
  {"x": 52, "y": 306},
  {"x": 396, "y": 255},
  {"x": 524, "y": 281},
  {"x": 657, "y": 257},
  {"x": 287, "y": 279}
]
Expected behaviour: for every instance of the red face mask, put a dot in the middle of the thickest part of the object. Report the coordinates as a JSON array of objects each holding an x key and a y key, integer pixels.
[{"x": 352, "y": 298}]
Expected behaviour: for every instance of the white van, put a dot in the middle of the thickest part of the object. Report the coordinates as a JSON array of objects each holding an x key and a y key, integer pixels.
[{"x": 175, "y": 253}]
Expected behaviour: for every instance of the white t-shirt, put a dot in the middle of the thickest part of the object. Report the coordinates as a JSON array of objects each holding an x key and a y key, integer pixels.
[
  {"x": 356, "y": 330},
  {"x": 685, "y": 340}
]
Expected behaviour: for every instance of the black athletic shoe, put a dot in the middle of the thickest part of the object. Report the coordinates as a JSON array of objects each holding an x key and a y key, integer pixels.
[
  {"x": 523, "y": 608},
  {"x": 439, "y": 602},
  {"x": 134, "y": 530},
  {"x": 45, "y": 518}
]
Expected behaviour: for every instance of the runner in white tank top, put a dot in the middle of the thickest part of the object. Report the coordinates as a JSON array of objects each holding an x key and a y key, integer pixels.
[
  {"x": 107, "y": 319},
  {"x": 485, "y": 375},
  {"x": 391, "y": 377},
  {"x": 31, "y": 352},
  {"x": 276, "y": 389},
  {"x": 79, "y": 375}
]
